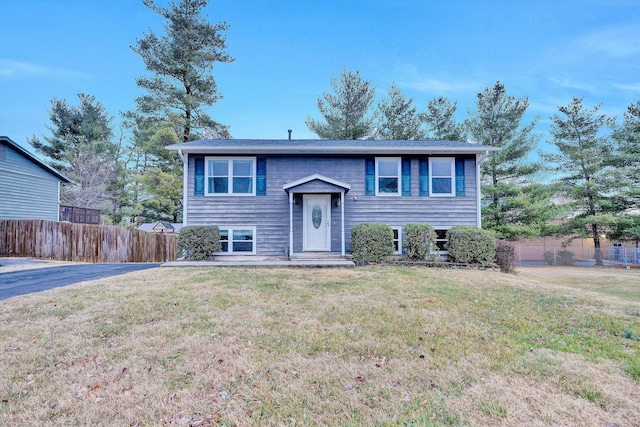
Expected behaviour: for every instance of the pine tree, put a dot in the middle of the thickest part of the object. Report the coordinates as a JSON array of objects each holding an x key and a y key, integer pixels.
[
  {"x": 627, "y": 136},
  {"x": 181, "y": 63},
  {"x": 82, "y": 146},
  {"x": 347, "y": 113},
  {"x": 585, "y": 163},
  {"x": 441, "y": 121},
  {"x": 398, "y": 118},
  {"x": 71, "y": 126},
  {"x": 512, "y": 207}
]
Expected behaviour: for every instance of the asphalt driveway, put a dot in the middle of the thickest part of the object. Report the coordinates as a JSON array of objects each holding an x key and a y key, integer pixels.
[{"x": 40, "y": 279}]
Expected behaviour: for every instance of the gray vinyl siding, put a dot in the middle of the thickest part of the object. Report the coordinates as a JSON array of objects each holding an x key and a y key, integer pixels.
[
  {"x": 270, "y": 213},
  {"x": 27, "y": 191}
]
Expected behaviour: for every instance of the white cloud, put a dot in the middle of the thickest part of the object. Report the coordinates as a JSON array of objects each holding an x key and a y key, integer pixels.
[
  {"x": 438, "y": 86},
  {"x": 19, "y": 69},
  {"x": 628, "y": 87},
  {"x": 574, "y": 84},
  {"x": 409, "y": 76},
  {"x": 545, "y": 108},
  {"x": 618, "y": 42}
]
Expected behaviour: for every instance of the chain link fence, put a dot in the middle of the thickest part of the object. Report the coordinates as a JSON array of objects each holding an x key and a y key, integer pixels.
[{"x": 552, "y": 255}]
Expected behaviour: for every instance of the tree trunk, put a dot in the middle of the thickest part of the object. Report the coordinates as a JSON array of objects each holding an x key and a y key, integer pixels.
[
  {"x": 187, "y": 127},
  {"x": 596, "y": 244}
]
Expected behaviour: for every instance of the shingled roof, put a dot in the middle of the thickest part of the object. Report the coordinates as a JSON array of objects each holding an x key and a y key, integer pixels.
[
  {"x": 9, "y": 142},
  {"x": 322, "y": 146}
]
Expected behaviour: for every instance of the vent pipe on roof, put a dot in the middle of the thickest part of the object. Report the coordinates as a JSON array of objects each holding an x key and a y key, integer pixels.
[{"x": 289, "y": 134}]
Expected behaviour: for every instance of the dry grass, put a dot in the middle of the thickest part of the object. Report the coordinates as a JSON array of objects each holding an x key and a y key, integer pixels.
[
  {"x": 365, "y": 346},
  {"x": 29, "y": 264}
]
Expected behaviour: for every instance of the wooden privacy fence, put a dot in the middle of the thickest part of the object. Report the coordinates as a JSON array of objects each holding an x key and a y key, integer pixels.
[{"x": 64, "y": 241}]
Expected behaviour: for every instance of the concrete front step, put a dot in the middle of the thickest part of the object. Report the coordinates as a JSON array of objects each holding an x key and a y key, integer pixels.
[{"x": 315, "y": 256}]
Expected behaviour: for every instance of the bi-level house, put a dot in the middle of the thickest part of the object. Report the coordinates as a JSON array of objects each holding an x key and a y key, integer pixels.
[{"x": 293, "y": 197}]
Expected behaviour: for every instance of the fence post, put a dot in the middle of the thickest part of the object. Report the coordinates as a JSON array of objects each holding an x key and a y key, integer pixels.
[{"x": 555, "y": 263}]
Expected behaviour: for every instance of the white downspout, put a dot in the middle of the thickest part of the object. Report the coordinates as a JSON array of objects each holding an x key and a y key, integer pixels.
[
  {"x": 185, "y": 185},
  {"x": 290, "y": 224},
  {"x": 58, "y": 210},
  {"x": 342, "y": 220},
  {"x": 479, "y": 158}
]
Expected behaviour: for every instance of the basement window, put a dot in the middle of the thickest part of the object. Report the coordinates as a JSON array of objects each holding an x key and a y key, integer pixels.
[{"x": 238, "y": 240}]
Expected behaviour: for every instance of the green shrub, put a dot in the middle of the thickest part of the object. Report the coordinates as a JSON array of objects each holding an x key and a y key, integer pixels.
[
  {"x": 561, "y": 258},
  {"x": 505, "y": 256},
  {"x": 419, "y": 242},
  {"x": 471, "y": 245},
  {"x": 565, "y": 258},
  {"x": 199, "y": 242},
  {"x": 371, "y": 242}
]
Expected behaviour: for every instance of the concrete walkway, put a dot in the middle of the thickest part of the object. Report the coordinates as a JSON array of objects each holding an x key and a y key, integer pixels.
[{"x": 264, "y": 263}]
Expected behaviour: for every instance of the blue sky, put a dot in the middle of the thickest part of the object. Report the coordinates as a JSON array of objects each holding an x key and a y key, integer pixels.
[{"x": 287, "y": 51}]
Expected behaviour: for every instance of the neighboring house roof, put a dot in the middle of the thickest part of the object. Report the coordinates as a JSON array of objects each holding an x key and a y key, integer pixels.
[
  {"x": 160, "y": 226},
  {"x": 34, "y": 159},
  {"x": 322, "y": 146}
]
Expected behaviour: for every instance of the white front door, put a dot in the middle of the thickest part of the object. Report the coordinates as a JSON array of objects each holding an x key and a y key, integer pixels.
[{"x": 316, "y": 222}]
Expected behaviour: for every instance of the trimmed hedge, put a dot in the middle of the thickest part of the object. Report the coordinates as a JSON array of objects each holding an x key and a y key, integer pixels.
[
  {"x": 505, "y": 256},
  {"x": 199, "y": 242},
  {"x": 471, "y": 245},
  {"x": 371, "y": 242},
  {"x": 419, "y": 242}
]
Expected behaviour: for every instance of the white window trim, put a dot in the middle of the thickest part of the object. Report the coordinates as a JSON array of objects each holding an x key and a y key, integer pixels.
[
  {"x": 230, "y": 251},
  {"x": 452, "y": 160},
  {"x": 399, "y": 228},
  {"x": 230, "y": 176},
  {"x": 399, "y": 176}
]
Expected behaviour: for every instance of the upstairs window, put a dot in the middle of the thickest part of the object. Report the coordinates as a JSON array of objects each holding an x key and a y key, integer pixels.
[
  {"x": 388, "y": 176},
  {"x": 442, "y": 173},
  {"x": 230, "y": 176}
]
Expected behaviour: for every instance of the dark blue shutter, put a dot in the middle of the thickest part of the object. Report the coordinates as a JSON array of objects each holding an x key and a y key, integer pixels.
[
  {"x": 424, "y": 176},
  {"x": 459, "y": 177},
  {"x": 261, "y": 176},
  {"x": 198, "y": 183},
  {"x": 406, "y": 177},
  {"x": 370, "y": 176}
]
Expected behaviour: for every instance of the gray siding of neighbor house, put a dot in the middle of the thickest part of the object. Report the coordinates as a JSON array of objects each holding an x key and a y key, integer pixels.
[
  {"x": 27, "y": 191},
  {"x": 270, "y": 213}
]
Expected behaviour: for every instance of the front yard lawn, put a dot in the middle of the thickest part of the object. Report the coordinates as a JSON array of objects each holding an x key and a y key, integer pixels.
[{"x": 402, "y": 346}]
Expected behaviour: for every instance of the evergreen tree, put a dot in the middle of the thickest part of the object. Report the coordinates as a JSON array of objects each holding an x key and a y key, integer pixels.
[
  {"x": 82, "y": 146},
  {"x": 155, "y": 174},
  {"x": 627, "y": 228},
  {"x": 88, "y": 123},
  {"x": 585, "y": 162},
  {"x": 627, "y": 136},
  {"x": 398, "y": 118},
  {"x": 441, "y": 121},
  {"x": 511, "y": 206},
  {"x": 346, "y": 113},
  {"x": 181, "y": 63}
]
